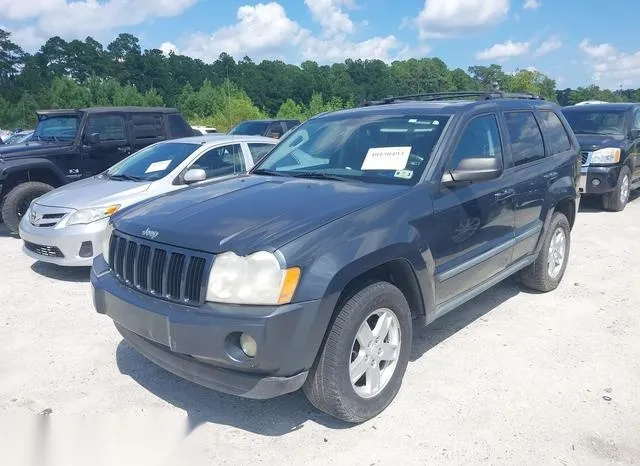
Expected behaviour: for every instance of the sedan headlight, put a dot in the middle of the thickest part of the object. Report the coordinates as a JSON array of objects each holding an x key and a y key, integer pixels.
[
  {"x": 606, "y": 156},
  {"x": 106, "y": 240},
  {"x": 256, "y": 279},
  {"x": 85, "y": 216}
]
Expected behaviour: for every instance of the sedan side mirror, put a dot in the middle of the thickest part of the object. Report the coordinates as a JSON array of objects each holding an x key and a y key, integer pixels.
[
  {"x": 474, "y": 170},
  {"x": 92, "y": 139},
  {"x": 195, "y": 175}
]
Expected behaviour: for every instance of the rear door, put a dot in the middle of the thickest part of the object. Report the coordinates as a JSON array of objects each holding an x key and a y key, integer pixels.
[
  {"x": 146, "y": 129},
  {"x": 114, "y": 143}
]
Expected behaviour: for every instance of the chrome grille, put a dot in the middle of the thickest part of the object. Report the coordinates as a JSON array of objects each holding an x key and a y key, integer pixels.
[
  {"x": 46, "y": 217},
  {"x": 165, "y": 272},
  {"x": 585, "y": 158}
]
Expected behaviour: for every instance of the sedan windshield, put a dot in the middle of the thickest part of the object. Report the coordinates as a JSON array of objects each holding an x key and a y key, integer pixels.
[
  {"x": 153, "y": 162},
  {"x": 596, "y": 122},
  {"x": 57, "y": 128},
  {"x": 371, "y": 148},
  {"x": 250, "y": 128}
]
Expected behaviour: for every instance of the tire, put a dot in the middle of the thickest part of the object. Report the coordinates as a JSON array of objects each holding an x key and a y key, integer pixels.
[
  {"x": 17, "y": 201},
  {"x": 617, "y": 200},
  {"x": 329, "y": 387},
  {"x": 540, "y": 275}
]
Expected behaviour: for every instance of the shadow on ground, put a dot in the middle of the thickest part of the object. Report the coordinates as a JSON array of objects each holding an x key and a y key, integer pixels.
[
  {"x": 593, "y": 204},
  {"x": 65, "y": 274},
  {"x": 288, "y": 413}
]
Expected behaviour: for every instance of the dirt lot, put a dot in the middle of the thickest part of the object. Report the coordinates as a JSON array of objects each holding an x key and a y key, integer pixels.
[{"x": 510, "y": 378}]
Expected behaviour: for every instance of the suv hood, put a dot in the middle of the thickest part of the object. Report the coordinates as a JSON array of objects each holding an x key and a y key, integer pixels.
[
  {"x": 250, "y": 212},
  {"x": 97, "y": 191},
  {"x": 32, "y": 148},
  {"x": 590, "y": 142}
]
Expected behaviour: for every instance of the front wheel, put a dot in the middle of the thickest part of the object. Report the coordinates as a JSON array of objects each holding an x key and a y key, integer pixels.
[
  {"x": 617, "y": 200},
  {"x": 364, "y": 359},
  {"x": 546, "y": 273},
  {"x": 17, "y": 202}
]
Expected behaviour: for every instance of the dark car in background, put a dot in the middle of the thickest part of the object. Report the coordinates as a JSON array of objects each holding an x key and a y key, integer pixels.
[
  {"x": 314, "y": 270},
  {"x": 268, "y": 128},
  {"x": 68, "y": 145},
  {"x": 609, "y": 137}
]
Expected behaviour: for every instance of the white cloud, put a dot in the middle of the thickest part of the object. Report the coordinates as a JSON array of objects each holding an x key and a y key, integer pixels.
[
  {"x": 551, "y": 44},
  {"x": 168, "y": 48},
  {"x": 330, "y": 15},
  {"x": 265, "y": 31},
  {"x": 27, "y": 37},
  {"x": 611, "y": 67},
  {"x": 504, "y": 51},
  {"x": 442, "y": 18},
  {"x": 79, "y": 18},
  {"x": 261, "y": 30},
  {"x": 531, "y": 4}
]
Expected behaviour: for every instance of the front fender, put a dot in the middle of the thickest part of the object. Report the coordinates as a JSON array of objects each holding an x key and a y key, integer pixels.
[{"x": 9, "y": 167}]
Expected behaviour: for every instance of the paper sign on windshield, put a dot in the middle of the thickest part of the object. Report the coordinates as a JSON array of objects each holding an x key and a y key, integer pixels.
[
  {"x": 158, "y": 166},
  {"x": 386, "y": 158}
]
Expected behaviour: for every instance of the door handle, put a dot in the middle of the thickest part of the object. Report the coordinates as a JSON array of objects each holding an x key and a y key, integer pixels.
[
  {"x": 504, "y": 195},
  {"x": 125, "y": 150}
]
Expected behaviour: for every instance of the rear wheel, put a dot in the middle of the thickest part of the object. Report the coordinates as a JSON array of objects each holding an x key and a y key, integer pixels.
[
  {"x": 364, "y": 359},
  {"x": 617, "y": 200},
  {"x": 546, "y": 273},
  {"x": 17, "y": 201}
]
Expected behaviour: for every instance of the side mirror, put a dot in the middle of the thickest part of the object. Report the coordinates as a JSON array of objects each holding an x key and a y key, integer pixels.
[
  {"x": 195, "y": 175},
  {"x": 474, "y": 170},
  {"x": 91, "y": 139},
  {"x": 635, "y": 133}
]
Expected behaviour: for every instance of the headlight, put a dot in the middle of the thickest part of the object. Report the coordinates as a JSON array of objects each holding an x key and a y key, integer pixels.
[
  {"x": 607, "y": 155},
  {"x": 85, "y": 216},
  {"x": 106, "y": 239},
  {"x": 255, "y": 279}
]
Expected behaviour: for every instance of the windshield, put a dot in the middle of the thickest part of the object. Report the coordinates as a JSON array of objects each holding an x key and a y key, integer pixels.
[
  {"x": 153, "y": 162},
  {"x": 250, "y": 128},
  {"x": 597, "y": 122},
  {"x": 372, "y": 148},
  {"x": 57, "y": 128}
]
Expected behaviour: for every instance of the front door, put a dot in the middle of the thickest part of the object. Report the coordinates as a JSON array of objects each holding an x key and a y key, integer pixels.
[
  {"x": 473, "y": 233},
  {"x": 113, "y": 144}
]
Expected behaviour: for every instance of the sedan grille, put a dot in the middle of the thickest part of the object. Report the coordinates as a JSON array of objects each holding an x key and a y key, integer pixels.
[
  {"x": 165, "y": 272},
  {"x": 46, "y": 251}
]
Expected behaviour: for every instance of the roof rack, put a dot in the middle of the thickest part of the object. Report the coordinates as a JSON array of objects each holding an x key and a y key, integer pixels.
[{"x": 480, "y": 95}]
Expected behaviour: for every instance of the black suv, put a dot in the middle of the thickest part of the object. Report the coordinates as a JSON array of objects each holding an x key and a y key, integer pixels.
[
  {"x": 609, "y": 136},
  {"x": 68, "y": 145},
  {"x": 268, "y": 128},
  {"x": 360, "y": 226}
]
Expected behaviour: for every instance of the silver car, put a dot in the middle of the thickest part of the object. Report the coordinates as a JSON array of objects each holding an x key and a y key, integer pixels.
[{"x": 66, "y": 225}]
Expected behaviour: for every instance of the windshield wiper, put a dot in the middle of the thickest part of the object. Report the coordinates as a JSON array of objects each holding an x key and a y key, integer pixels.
[
  {"x": 321, "y": 176},
  {"x": 124, "y": 177},
  {"x": 266, "y": 171}
]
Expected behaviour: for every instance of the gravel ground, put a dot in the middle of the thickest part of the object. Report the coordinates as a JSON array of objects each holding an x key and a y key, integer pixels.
[{"x": 510, "y": 378}]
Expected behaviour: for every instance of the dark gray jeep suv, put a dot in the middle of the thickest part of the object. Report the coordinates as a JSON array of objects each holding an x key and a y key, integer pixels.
[{"x": 313, "y": 270}]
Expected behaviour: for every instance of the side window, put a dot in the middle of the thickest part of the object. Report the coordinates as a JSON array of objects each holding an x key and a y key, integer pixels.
[
  {"x": 110, "y": 127},
  {"x": 221, "y": 161},
  {"x": 480, "y": 139},
  {"x": 555, "y": 133},
  {"x": 526, "y": 138},
  {"x": 259, "y": 150}
]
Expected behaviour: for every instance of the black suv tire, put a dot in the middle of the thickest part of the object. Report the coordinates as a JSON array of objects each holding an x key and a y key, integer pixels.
[
  {"x": 616, "y": 200},
  {"x": 329, "y": 386},
  {"x": 537, "y": 276},
  {"x": 17, "y": 201}
]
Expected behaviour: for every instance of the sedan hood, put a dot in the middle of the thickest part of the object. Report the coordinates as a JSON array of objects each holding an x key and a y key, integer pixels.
[
  {"x": 591, "y": 142},
  {"x": 250, "y": 212},
  {"x": 97, "y": 191}
]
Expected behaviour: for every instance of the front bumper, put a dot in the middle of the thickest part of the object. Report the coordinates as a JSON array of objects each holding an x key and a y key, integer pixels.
[
  {"x": 599, "y": 180},
  {"x": 67, "y": 241},
  {"x": 201, "y": 344}
]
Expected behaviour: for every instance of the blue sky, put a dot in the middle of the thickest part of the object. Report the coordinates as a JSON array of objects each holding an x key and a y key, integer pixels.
[{"x": 575, "y": 42}]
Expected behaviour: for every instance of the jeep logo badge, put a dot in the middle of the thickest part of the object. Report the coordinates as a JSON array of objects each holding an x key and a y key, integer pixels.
[{"x": 151, "y": 234}]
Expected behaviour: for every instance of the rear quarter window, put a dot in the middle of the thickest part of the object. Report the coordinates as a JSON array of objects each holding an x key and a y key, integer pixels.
[
  {"x": 178, "y": 128},
  {"x": 147, "y": 127},
  {"x": 555, "y": 133}
]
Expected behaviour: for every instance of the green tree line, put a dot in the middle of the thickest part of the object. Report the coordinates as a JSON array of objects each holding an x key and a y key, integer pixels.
[{"x": 76, "y": 74}]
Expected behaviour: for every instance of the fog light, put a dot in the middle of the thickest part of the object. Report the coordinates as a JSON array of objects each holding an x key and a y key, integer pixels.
[
  {"x": 595, "y": 182},
  {"x": 86, "y": 249},
  {"x": 248, "y": 345}
]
